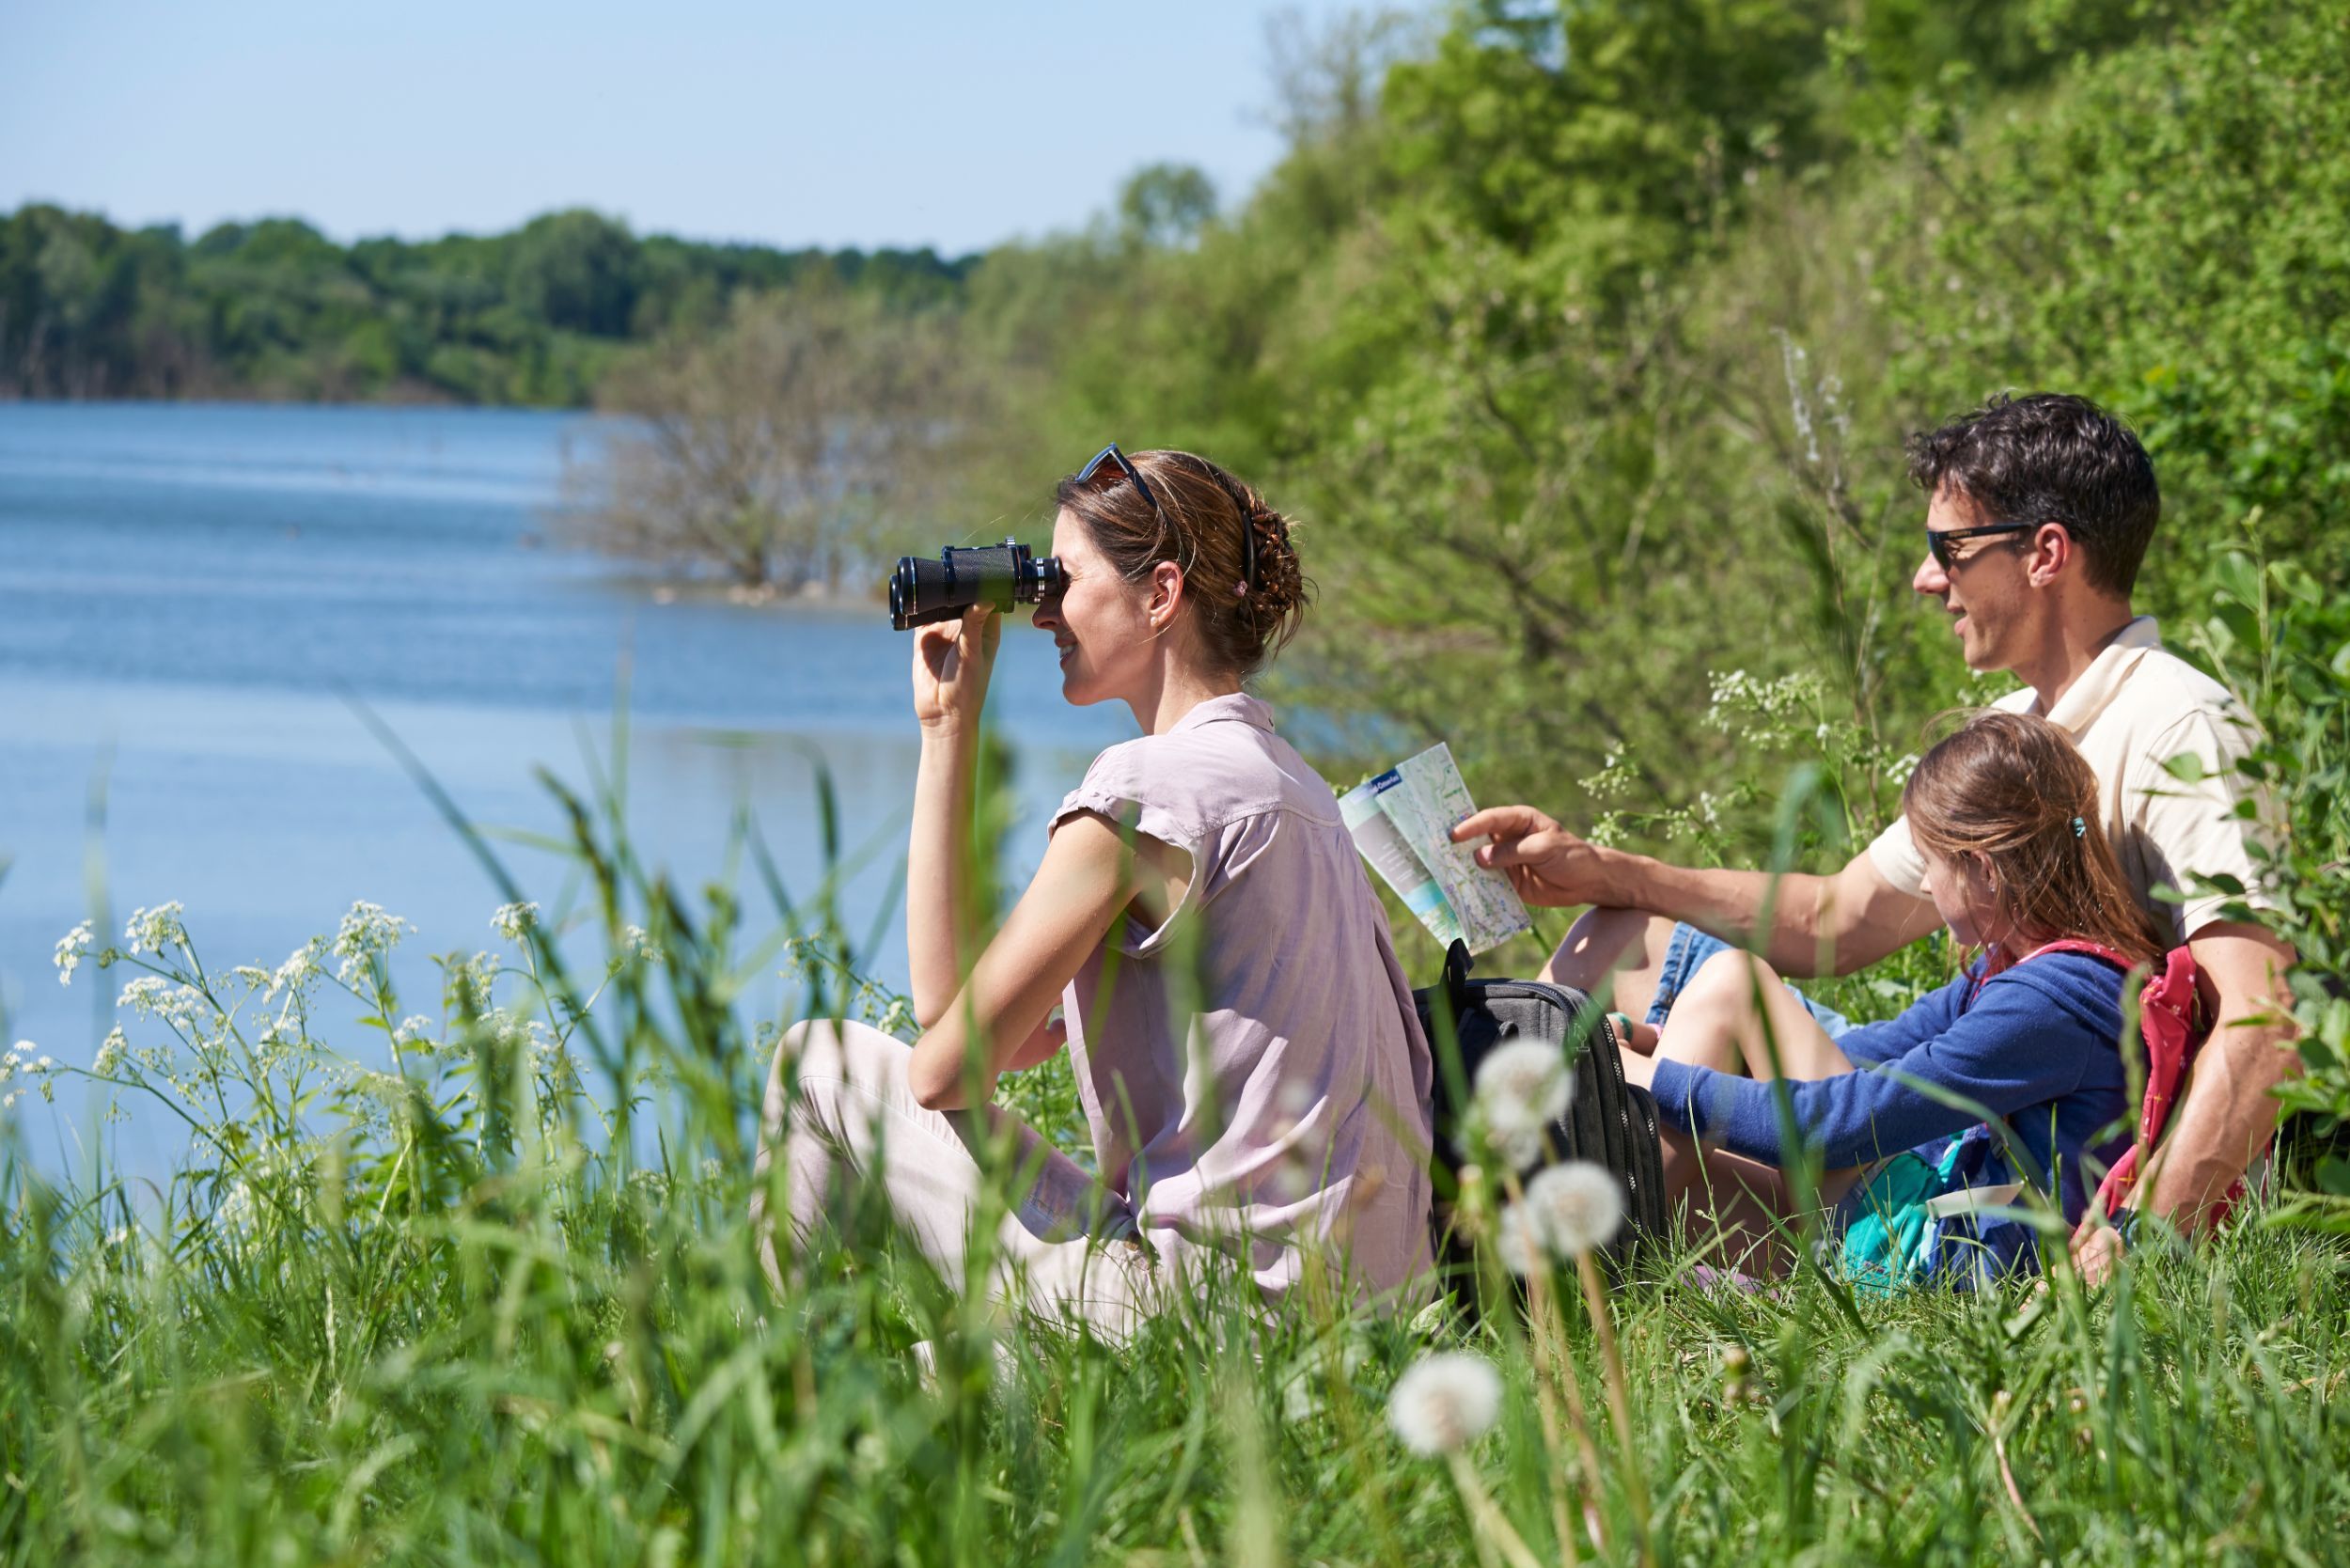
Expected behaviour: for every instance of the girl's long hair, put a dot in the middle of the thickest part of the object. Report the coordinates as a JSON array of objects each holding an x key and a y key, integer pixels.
[{"x": 2011, "y": 788}]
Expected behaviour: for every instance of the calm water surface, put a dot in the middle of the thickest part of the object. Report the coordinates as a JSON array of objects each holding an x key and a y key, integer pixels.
[{"x": 189, "y": 597}]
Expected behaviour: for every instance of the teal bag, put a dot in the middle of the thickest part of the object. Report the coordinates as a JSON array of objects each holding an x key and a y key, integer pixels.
[
  {"x": 1891, "y": 1239},
  {"x": 1900, "y": 1230}
]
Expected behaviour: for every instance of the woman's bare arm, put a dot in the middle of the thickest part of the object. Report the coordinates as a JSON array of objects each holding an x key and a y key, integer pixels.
[{"x": 1090, "y": 877}]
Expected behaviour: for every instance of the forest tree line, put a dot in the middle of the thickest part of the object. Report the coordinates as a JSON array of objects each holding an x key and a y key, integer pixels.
[{"x": 275, "y": 309}]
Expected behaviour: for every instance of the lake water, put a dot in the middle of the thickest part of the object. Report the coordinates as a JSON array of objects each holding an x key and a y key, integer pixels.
[{"x": 191, "y": 597}]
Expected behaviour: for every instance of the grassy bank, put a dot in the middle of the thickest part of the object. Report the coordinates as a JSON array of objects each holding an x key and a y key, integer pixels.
[{"x": 479, "y": 1287}]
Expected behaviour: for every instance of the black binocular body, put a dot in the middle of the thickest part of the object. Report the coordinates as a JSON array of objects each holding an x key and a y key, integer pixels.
[{"x": 923, "y": 590}]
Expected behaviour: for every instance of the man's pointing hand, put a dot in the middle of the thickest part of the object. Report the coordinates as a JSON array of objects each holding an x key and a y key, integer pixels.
[{"x": 1545, "y": 863}]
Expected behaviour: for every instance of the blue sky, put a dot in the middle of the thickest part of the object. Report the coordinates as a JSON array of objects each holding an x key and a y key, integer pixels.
[{"x": 920, "y": 123}]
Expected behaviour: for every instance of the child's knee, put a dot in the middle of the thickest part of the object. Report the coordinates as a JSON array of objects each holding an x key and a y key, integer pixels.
[{"x": 1731, "y": 974}]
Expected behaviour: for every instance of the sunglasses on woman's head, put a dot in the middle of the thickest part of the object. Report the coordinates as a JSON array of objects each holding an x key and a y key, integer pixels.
[
  {"x": 1938, "y": 541},
  {"x": 1112, "y": 457}
]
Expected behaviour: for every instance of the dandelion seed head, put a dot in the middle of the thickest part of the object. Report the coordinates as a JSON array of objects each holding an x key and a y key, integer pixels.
[
  {"x": 1521, "y": 1147},
  {"x": 1523, "y": 1085},
  {"x": 1577, "y": 1207},
  {"x": 1518, "y": 1241},
  {"x": 1445, "y": 1401}
]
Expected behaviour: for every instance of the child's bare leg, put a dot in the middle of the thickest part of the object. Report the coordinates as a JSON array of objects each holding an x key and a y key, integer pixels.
[
  {"x": 1613, "y": 954},
  {"x": 1739, "y": 997},
  {"x": 1697, "y": 1033},
  {"x": 1748, "y": 1205},
  {"x": 1717, "y": 1023}
]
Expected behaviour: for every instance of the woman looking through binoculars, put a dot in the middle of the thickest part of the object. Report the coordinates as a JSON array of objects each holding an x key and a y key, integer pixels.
[{"x": 1254, "y": 1077}]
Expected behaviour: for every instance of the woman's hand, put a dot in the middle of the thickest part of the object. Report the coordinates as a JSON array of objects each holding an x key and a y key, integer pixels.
[{"x": 952, "y": 660}]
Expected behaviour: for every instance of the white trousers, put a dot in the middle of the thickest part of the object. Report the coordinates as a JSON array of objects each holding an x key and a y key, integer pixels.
[{"x": 839, "y": 1112}]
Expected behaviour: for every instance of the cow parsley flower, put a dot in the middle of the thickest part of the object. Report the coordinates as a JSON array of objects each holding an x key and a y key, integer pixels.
[
  {"x": 365, "y": 934},
  {"x": 71, "y": 949},
  {"x": 513, "y": 921},
  {"x": 1445, "y": 1401},
  {"x": 636, "y": 947},
  {"x": 182, "y": 1007},
  {"x": 111, "y": 1051},
  {"x": 150, "y": 931},
  {"x": 1577, "y": 1208},
  {"x": 300, "y": 970},
  {"x": 25, "y": 1058}
]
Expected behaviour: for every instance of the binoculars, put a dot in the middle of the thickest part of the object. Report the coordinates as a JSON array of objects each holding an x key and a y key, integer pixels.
[{"x": 923, "y": 590}]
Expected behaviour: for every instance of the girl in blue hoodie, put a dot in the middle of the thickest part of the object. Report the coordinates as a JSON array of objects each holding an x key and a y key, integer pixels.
[{"x": 2009, "y": 818}]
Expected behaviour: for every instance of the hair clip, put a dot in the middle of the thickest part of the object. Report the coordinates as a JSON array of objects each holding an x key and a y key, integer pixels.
[
  {"x": 2080, "y": 828},
  {"x": 1241, "y": 590}
]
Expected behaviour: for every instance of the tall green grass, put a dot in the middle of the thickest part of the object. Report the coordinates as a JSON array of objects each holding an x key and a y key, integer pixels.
[{"x": 485, "y": 1291}]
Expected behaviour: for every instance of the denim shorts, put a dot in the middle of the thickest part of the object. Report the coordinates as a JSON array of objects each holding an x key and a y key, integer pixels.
[{"x": 1690, "y": 947}]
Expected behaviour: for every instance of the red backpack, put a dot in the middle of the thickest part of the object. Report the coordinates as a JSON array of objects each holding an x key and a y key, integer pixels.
[{"x": 2170, "y": 1020}]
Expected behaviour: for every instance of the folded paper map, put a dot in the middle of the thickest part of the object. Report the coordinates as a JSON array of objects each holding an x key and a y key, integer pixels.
[{"x": 1402, "y": 821}]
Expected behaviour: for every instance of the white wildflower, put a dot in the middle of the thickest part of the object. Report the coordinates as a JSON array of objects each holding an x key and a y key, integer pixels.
[
  {"x": 1523, "y": 1085},
  {"x": 111, "y": 1051},
  {"x": 1445, "y": 1401},
  {"x": 1577, "y": 1208},
  {"x": 639, "y": 946},
  {"x": 514, "y": 920},
  {"x": 415, "y": 1033},
  {"x": 299, "y": 970},
  {"x": 365, "y": 934},
  {"x": 897, "y": 1018},
  {"x": 25, "y": 1057},
  {"x": 183, "y": 1007},
  {"x": 71, "y": 949},
  {"x": 150, "y": 931}
]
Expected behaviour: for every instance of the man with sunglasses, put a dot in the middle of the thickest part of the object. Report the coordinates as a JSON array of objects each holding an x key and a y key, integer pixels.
[{"x": 2038, "y": 515}]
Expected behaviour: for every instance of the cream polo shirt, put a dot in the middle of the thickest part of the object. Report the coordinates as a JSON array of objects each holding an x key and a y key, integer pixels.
[{"x": 2133, "y": 709}]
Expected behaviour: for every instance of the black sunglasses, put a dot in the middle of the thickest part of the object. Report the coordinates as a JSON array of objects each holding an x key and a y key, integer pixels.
[
  {"x": 1938, "y": 541},
  {"x": 1112, "y": 456}
]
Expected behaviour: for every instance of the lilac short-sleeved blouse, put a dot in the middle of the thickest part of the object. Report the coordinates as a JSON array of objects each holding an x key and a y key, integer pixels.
[{"x": 1253, "y": 1072}]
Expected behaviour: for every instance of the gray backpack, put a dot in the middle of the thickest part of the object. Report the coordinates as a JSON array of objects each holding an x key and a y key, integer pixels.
[{"x": 1610, "y": 1122}]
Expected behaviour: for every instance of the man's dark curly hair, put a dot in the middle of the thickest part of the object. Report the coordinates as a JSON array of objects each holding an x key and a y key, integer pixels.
[{"x": 2050, "y": 457}]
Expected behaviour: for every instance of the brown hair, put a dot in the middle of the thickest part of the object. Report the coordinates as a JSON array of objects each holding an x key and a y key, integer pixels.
[
  {"x": 1203, "y": 521},
  {"x": 2051, "y": 457},
  {"x": 2011, "y": 788}
]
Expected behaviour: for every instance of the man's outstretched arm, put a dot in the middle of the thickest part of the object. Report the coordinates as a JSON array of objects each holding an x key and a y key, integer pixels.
[{"x": 1817, "y": 924}]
